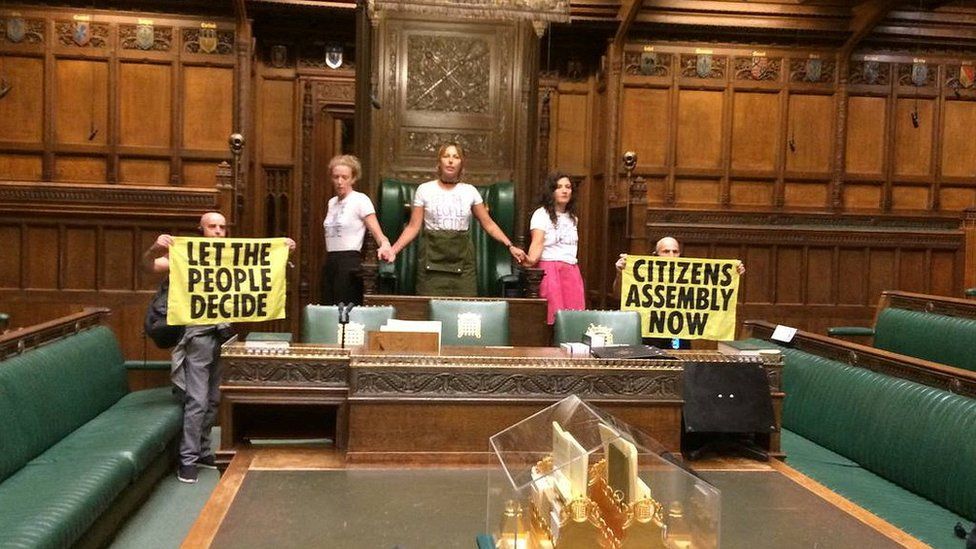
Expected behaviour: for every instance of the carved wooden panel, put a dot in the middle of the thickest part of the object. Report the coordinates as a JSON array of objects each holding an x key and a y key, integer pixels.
[
  {"x": 755, "y": 130},
  {"x": 22, "y": 108},
  {"x": 277, "y": 121},
  {"x": 866, "y": 135},
  {"x": 913, "y": 137},
  {"x": 959, "y": 144},
  {"x": 699, "y": 120},
  {"x": 809, "y": 146},
  {"x": 646, "y": 131},
  {"x": 101, "y": 100},
  {"x": 463, "y": 83},
  {"x": 145, "y": 119},
  {"x": 571, "y": 122}
]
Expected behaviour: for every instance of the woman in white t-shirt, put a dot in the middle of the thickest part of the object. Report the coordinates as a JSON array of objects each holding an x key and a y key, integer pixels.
[
  {"x": 444, "y": 207},
  {"x": 554, "y": 243},
  {"x": 349, "y": 214}
]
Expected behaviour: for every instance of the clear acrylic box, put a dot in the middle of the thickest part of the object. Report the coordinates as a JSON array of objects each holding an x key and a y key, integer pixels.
[{"x": 575, "y": 476}]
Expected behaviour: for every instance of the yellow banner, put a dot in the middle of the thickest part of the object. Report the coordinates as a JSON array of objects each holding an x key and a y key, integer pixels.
[
  {"x": 682, "y": 297},
  {"x": 213, "y": 280}
]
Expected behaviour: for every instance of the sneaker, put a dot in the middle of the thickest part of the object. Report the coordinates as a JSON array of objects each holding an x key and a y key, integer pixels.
[
  {"x": 207, "y": 462},
  {"x": 187, "y": 474}
]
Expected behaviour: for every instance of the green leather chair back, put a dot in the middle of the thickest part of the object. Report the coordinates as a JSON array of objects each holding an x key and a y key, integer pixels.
[
  {"x": 471, "y": 322},
  {"x": 571, "y": 325},
  {"x": 320, "y": 323},
  {"x": 940, "y": 338},
  {"x": 493, "y": 262}
]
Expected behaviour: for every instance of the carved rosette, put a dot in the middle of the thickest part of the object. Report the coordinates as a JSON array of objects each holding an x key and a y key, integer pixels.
[
  {"x": 799, "y": 71},
  {"x": 33, "y": 32},
  {"x": 254, "y": 371},
  {"x": 65, "y": 31},
  {"x": 717, "y": 70},
  {"x": 649, "y": 385},
  {"x": 225, "y": 42},
  {"x": 870, "y": 72},
  {"x": 162, "y": 38},
  {"x": 647, "y": 63},
  {"x": 448, "y": 74}
]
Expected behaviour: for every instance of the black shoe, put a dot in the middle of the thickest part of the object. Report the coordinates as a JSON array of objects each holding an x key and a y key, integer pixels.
[
  {"x": 207, "y": 462},
  {"x": 187, "y": 474}
]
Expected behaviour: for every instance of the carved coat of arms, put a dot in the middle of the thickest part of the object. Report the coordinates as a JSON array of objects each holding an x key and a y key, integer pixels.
[
  {"x": 920, "y": 74},
  {"x": 333, "y": 56},
  {"x": 82, "y": 33},
  {"x": 648, "y": 62},
  {"x": 145, "y": 36},
  {"x": 967, "y": 75},
  {"x": 16, "y": 29},
  {"x": 279, "y": 56},
  {"x": 813, "y": 70},
  {"x": 703, "y": 67},
  {"x": 208, "y": 40},
  {"x": 872, "y": 70},
  {"x": 760, "y": 65}
]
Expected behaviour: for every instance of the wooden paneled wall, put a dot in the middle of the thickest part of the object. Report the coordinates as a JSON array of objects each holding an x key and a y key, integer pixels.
[
  {"x": 809, "y": 169},
  {"x": 112, "y": 132},
  {"x": 134, "y": 99}
]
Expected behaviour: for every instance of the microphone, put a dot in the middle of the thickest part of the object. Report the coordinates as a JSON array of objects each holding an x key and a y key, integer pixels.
[{"x": 344, "y": 312}]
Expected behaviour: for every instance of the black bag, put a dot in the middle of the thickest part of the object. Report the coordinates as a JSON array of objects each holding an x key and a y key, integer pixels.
[{"x": 162, "y": 334}]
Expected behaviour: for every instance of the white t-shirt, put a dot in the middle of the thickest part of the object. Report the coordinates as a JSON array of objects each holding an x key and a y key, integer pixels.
[
  {"x": 446, "y": 210},
  {"x": 344, "y": 226},
  {"x": 561, "y": 239}
]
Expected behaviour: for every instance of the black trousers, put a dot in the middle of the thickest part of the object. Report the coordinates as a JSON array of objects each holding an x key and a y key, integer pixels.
[{"x": 341, "y": 281}]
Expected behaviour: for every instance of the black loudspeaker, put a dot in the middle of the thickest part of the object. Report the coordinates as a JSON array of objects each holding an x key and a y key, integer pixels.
[{"x": 727, "y": 398}]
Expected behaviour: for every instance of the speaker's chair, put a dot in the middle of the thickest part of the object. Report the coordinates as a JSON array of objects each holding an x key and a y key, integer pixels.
[
  {"x": 493, "y": 262},
  {"x": 471, "y": 322},
  {"x": 623, "y": 326},
  {"x": 320, "y": 323}
]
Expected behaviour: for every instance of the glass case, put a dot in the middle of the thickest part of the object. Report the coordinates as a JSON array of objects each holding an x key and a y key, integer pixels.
[{"x": 575, "y": 476}]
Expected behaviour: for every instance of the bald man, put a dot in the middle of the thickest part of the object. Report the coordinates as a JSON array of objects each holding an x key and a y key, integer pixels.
[
  {"x": 666, "y": 247},
  {"x": 195, "y": 361}
]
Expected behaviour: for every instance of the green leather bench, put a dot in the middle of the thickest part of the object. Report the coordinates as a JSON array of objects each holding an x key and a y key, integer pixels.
[
  {"x": 493, "y": 261},
  {"x": 79, "y": 451},
  {"x": 935, "y": 328},
  {"x": 902, "y": 449}
]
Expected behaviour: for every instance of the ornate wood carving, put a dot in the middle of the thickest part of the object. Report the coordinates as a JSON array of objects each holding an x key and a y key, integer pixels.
[
  {"x": 225, "y": 42},
  {"x": 308, "y": 127},
  {"x": 940, "y": 305},
  {"x": 252, "y": 371},
  {"x": 801, "y": 70},
  {"x": 65, "y": 31},
  {"x": 872, "y": 73},
  {"x": 650, "y": 385},
  {"x": 757, "y": 68},
  {"x": 427, "y": 143},
  {"x": 162, "y": 38},
  {"x": 925, "y": 77},
  {"x": 64, "y": 196},
  {"x": 638, "y": 63},
  {"x": 447, "y": 74},
  {"x": 714, "y": 69},
  {"x": 336, "y": 92},
  {"x": 16, "y": 342},
  {"x": 33, "y": 31}
]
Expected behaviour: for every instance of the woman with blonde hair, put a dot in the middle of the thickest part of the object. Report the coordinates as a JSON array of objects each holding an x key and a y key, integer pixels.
[{"x": 347, "y": 217}]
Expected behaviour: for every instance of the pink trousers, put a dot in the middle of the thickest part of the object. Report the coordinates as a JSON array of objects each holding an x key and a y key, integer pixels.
[{"x": 562, "y": 287}]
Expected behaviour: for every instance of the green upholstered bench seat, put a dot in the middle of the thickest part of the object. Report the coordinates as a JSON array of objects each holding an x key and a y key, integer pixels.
[
  {"x": 73, "y": 440},
  {"x": 889, "y": 444},
  {"x": 934, "y": 328},
  {"x": 912, "y": 513}
]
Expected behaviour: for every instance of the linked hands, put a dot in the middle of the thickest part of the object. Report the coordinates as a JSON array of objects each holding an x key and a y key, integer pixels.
[
  {"x": 386, "y": 253},
  {"x": 518, "y": 254}
]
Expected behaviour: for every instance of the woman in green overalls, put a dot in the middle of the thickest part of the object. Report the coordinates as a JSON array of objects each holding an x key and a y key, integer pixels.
[{"x": 444, "y": 207}]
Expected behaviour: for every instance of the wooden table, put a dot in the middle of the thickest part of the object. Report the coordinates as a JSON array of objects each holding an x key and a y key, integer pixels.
[
  {"x": 306, "y": 498},
  {"x": 392, "y": 407}
]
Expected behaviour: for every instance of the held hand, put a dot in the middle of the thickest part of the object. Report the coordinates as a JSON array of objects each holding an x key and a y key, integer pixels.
[
  {"x": 740, "y": 268},
  {"x": 291, "y": 245},
  {"x": 386, "y": 255},
  {"x": 621, "y": 262},
  {"x": 517, "y": 253}
]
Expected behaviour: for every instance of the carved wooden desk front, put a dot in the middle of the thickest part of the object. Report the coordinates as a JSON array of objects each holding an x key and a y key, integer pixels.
[{"x": 411, "y": 408}]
